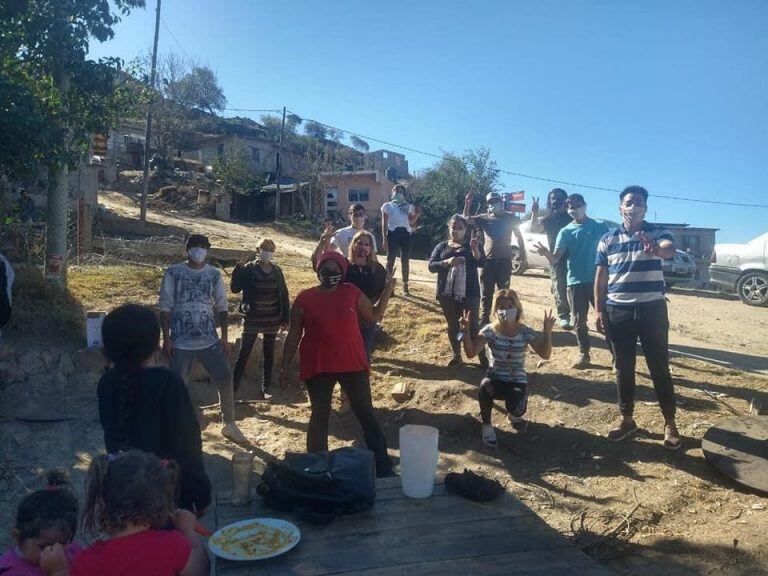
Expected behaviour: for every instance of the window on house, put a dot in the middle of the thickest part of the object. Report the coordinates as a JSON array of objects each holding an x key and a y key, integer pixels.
[
  {"x": 358, "y": 195},
  {"x": 693, "y": 242},
  {"x": 385, "y": 155}
]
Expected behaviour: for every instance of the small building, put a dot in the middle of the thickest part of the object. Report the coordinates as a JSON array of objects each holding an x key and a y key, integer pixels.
[
  {"x": 342, "y": 189},
  {"x": 382, "y": 159}
]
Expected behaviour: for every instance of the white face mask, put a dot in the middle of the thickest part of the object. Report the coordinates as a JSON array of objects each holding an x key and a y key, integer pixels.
[
  {"x": 577, "y": 213},
  {"x": 197, "y": 254},
  {"x": 266, "y": 256},
  {"x": 633, "y": 214},
  {"x": 507, "y": 315}
]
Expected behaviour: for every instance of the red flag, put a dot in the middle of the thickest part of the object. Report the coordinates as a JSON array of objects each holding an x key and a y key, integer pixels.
[
  {"x": 517, "y": 196},
  {"x": 516, "y": 207}
]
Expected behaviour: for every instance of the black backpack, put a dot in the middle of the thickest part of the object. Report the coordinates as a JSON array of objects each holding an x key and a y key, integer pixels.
[
  {"x": 321, "y": 485},
  {"x": 5, "y": 302}
]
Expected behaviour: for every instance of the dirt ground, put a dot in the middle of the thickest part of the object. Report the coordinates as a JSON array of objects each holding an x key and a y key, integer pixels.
[{"x": 634, "y": 506}]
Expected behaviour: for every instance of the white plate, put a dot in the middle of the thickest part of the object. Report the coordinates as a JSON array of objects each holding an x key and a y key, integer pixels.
[{"x": 238, "y": 531}]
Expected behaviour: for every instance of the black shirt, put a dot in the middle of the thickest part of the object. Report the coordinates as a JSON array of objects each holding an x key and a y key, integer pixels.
[
  {"x": 370, "y": 279},
  {"x": 149, "y": 409},
  {"x": 444, "y": 251},
  {"x": 498, "y": 231}
]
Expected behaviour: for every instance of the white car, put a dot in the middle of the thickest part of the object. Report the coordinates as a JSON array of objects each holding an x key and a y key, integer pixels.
[
  {"x": 742, "y": 268},
  {"x": 530, "y": 239}
]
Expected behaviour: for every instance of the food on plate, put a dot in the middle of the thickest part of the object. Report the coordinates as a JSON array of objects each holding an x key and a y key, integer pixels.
[{"x": 252, "y": 540}]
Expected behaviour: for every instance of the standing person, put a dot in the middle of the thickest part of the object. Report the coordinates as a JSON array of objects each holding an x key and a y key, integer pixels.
[
  {"x": 455, "y": 261},
  {"x": 497, "y": 225},
  {"x": 129, "y": 498},
  {"x": 397, "y": 218},
  {"x": 366, "y": 273},
  {"x": 147, "y": 407},
  {"x": 193, "y": 300},
  {"x": 265, "y": 308},
  {"x": 6, "y": 292},
  {"x": 343, "y": 236},
  {"x": 577, "y": 244},
  {"x": 551, "y": 224},
  {"x": 325, "y": 320},
  {"x": 46, "y": 522},
  {"x": 629, "y": 295},
  {"x": 506, "y": 340}
]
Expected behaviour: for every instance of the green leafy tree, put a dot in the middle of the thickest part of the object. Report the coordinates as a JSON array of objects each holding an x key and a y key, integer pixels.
[
  {"x": 200, "y": 89},
  {"x": 315, "y": 130},
  {"x": 236, "y": 171},
  {"x": 359, "y": 144}
]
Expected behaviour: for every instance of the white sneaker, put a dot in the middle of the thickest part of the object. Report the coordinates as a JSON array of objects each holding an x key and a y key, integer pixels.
[
  {"x": 489, "y": 436},
  {"x": 231, "y": 431},
  {"x": 583, "y": 361}
]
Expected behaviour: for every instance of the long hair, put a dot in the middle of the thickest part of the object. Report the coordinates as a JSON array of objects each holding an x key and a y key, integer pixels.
[
  {"x": 133, "y": 487},
  {"x": 507, "y": 296},
  {"x": 371, "y": 260},
  {"x": 460, "y": 218}
]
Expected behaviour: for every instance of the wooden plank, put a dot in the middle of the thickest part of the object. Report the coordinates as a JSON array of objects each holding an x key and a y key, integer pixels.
[
  {"x": 408, "y": 545},
  {"x": 559, "y": 562}
]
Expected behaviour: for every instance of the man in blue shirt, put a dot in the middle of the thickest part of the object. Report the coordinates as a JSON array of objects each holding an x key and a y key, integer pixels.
[
  {"x": 629, "y": 296},
  {"x": 576, "y": 244}
]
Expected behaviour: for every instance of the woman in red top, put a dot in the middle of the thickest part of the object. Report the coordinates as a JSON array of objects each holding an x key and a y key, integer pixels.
[{"x": 325, "y": 319}]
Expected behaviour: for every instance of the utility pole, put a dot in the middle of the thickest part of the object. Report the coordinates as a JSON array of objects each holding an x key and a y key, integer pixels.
[
  {"x": 148, "y": 134},
  {"x": 278, "y": 169},
  {"x": 58, "y": 174}
]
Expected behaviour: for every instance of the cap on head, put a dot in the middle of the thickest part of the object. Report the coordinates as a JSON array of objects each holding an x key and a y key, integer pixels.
[
  {"x": 196, "y": 240},
  {"x": 493, "y": 197},
  {"x": 336, "y": 257}
]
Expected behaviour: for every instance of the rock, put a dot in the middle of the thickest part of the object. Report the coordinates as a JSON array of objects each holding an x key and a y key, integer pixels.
[
  {"x": 32, "y": 363},
  {"x": 92, "y": 360},
  {"x": 50, "y": 357},
  {"x": 66, "y": 366},
  {"x": 7, "y": 352},
  {"x": 401, "y": 392}
]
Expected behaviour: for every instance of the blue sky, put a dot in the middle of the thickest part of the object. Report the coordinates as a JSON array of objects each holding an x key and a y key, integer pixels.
[{"x": 672, "y": 95}]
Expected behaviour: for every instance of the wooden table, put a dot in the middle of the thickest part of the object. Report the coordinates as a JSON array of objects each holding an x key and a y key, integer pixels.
[{"x": 441, "y": 535}]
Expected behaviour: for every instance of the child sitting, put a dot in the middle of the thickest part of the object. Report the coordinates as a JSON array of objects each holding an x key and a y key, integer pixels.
[
  {"x": 147, "y": 407},
  {"x": 46, "y": 521},
  {"x": 506, "y": 339},
  {"x": 129, "y": 498}
]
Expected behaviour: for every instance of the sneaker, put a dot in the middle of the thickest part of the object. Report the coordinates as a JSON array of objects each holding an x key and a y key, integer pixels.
[
  {"x": 621, "y": 431},
  {"x": 489, "y": 436},
  {"x": 583, "y": 361},
  {"x": 231, "y": 431},
  {"x": 266, "y": 394},
  {"x": 565, "y": 324},
  {"x": 672, "y": 439},
  {"x": 518, "y": 423},
  {"x": 455, "y": 361},
  {"x": 406, "y": 292}
]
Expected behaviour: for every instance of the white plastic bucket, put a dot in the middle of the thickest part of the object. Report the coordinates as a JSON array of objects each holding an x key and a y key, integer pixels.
[
  {"x": 93, "y": 322},
  {"x": 418, "y": 460}
]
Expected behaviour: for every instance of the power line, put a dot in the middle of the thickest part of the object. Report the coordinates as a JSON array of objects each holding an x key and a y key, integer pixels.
[
  {"x": 167, "y": 29},
  {"x": 253, "y": 110}
]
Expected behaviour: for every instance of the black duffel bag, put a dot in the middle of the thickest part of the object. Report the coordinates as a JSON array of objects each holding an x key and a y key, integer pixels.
[{"x": 321, "y": 485}]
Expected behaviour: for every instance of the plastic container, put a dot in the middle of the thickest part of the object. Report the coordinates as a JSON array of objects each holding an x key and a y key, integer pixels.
[
  {"x": 242, "y": 468},
  {"x": 418, "y": 460},
  {"x": 93, "y": 322}
]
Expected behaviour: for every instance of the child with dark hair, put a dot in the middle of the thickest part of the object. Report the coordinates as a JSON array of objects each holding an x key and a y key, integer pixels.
[
  {"x": 46, "y": 521},
  {"x": 147, "y": 407},
  {"x": 129, "y": 499}
]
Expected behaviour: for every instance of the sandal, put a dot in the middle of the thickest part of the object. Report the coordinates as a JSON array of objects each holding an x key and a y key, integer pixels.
[{"x": 672, "y": 439}]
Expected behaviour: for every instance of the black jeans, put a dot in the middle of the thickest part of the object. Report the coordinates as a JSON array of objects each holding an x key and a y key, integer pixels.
[
  {"x": 514, "y": 394},
  {"x": 580, "y": 296},
  {"x": 558, "y": 274},
  {"x": 399, "y": 240},
  {"x": 452, "y": 311},
  {"x": 648, "y": 322},
  {"x": 357, "y": 387},
  {"x": 495, "y": 274},
  {"x": 245, "y": 352}
]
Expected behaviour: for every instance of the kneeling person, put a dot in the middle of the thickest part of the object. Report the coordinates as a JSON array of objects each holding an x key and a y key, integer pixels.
[{"x": 506, "y": 339}]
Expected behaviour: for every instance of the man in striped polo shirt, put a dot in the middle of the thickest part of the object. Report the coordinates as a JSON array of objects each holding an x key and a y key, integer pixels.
[{"x": 629, "y": 295}]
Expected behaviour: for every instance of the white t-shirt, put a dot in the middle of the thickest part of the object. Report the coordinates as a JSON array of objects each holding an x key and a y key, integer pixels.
[
  {"x": 343, "y": 238},
  {"x": 398, "y": 215}
]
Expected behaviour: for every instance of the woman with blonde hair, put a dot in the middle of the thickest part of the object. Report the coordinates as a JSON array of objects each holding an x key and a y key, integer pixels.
[
  {"x": 265, "y": 309},
  {"x": 505, "y": 341},
  {"x": 366, "y": 273}
]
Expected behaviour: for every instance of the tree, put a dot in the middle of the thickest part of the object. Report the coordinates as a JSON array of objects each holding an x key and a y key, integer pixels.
[
  {"x": 200, "y": 89},
  {"x": 441, "y": 190},
  {"x": 359, "y": 144},
  {"x": 55, "y": 97},
  {"x": 236, "y": 171},
  {"x": 315, "y": 130}
]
